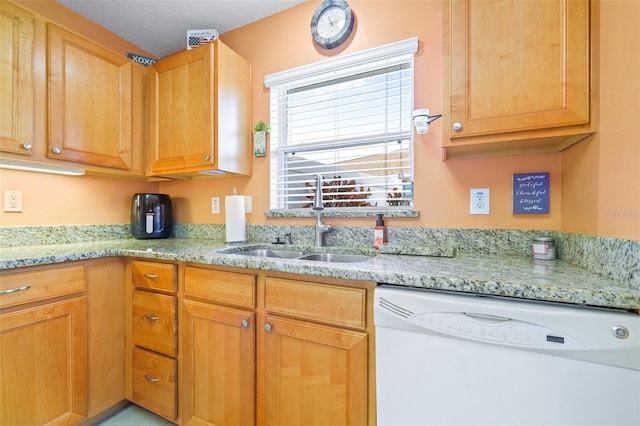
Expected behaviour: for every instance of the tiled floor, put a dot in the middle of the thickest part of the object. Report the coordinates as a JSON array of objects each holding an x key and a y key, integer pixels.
[{"x": 132, "y": 415}]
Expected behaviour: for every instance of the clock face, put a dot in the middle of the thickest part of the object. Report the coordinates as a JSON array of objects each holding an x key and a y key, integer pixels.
[{"x": 332, "y": 23}]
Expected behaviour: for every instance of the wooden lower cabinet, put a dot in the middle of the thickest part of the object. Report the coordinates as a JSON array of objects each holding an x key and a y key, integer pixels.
[
  {"x": 151, "y": 321},
  {"x": 62, "y": 341},
  {"x": 314, "y": 374},
  {"x": 228, "y": 346},
  {"x": 43, "y": 364},
  {"x": 105, "y": 333},
  {"x": 275, "y": 350},
  {"x": 218, "y": 365}
]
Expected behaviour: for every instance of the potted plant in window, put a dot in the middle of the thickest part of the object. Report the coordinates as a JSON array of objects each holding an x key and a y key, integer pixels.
[{"x": 260, "y": 131}]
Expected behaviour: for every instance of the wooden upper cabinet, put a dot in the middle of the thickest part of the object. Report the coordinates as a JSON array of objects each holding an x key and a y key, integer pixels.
[
  {"x": 199, "y": 104},
  {"x": 16, "y": 79},
  {"x": 518, "y": 76},
  {"x": 91, "y": 101}
]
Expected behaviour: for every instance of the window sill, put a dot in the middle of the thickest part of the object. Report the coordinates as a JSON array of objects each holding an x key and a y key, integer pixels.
[{"x": 328, "y": 212}]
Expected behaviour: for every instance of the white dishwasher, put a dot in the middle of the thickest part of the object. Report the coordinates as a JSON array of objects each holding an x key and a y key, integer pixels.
[{"x": 445, "y": 358}]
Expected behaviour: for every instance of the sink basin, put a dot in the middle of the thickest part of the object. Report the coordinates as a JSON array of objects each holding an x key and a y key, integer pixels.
[
  {"x": 334, "y": 257},
  {"x": 283, "y": 254},
  {"x": 305, "y": 255}
]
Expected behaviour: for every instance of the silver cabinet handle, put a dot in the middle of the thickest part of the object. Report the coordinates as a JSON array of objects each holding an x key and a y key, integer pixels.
[
  {"x": 56, "y": 150},
  {"x": 267, "y": 327},
  {"x": 207, "y": 157},
  {"x": 151, "y": 276},
  {"x": 151, "y": 317},
  {"x": 26, "y": 146},
  {"x": 244, "y": 323},
  {"x": 14, "y": 290},
  {"x": 457, "y": 126},
  {"x": 151, "y": 379}
]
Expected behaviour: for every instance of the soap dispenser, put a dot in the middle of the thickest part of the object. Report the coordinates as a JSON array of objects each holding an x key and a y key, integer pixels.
[{"x": 380, "y": 232}]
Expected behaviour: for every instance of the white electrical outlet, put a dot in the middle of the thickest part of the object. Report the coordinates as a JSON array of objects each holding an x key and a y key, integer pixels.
[
  {"x": 215, "y": 205},
  {"x": 12, "y": 200},
  {"x": 248, "y": 204},
  {"x": 480, "y": 201}
]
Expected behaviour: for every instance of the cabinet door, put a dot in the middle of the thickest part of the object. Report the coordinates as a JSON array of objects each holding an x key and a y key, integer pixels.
[
  {"x": 16, "y": 79},
  {"x": 519, "y": 76},
  {"x": 518, "y": 66},
  {"x": 181, "y": 104},
  {"x": 43, "y": 365},
  {"x": 90, "y": 102},
  {"x": 314, "y": 374},
  {"x": 105, "y": 333},
  {"x": 217, "y": 365}
]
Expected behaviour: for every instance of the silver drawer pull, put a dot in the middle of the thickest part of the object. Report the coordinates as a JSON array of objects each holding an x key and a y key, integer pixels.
[
  {"x": 151, "y": 379},
  {"x": 14, "y": 290},
  {"x": 151, "y": 276},
  {"x": 151, "y": 317}
]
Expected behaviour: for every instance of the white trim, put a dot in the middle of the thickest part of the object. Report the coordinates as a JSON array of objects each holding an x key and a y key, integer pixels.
[{"x": 331, "y": 68}]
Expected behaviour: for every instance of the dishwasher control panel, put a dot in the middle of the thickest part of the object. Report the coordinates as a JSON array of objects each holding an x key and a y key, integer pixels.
[{"x": 494, "y": 329}]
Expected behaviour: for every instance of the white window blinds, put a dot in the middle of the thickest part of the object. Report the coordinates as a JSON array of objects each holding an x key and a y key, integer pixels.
[{"x": 349, "y": 120}]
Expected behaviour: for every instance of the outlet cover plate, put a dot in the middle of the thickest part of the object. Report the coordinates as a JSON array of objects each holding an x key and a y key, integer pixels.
[
  {"x": 215, "y": 205},
  {"x": 480, "y": 201},
  {"x": 12, "y": 201}
]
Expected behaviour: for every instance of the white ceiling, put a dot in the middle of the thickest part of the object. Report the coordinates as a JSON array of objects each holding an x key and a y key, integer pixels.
[{"x": 160, "y": 26}]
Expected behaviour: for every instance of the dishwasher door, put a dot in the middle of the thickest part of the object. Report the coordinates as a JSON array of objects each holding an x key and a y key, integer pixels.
[{"x": 447, "y": 358}]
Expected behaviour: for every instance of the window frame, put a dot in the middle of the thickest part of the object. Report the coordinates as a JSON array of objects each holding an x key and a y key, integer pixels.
[{"x": 332, "y": 69}]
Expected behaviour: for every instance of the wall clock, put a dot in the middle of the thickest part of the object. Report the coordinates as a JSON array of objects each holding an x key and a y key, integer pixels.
[{"x": 332, "y": 23}]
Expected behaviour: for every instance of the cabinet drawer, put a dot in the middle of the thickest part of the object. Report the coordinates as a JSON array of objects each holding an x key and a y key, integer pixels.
[
  {"x": 22, "y": 287},
  {"x": 158, "y": 276},
  {"x": 154, "y": 321},
  {"x": 155, "y": 383},
  {"x": 218, "y": 286},
  {"x": 328, "y": 303}
]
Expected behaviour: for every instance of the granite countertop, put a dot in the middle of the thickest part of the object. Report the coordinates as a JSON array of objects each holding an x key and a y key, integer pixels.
[{"x": 433, "y": 268}]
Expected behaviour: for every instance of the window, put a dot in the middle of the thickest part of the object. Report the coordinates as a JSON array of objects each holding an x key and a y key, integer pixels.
[{"x": 348, "y": 120}]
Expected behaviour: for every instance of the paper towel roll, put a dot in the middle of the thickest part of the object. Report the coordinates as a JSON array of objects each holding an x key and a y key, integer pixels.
[{"x": 234, "y": 218}]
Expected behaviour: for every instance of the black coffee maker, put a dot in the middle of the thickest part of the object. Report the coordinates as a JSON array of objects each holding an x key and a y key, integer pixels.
[{"x": 151, "y": 216}]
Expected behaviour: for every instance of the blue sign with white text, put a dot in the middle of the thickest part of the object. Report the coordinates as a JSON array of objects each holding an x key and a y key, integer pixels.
[{"x": 531, "y": 193}]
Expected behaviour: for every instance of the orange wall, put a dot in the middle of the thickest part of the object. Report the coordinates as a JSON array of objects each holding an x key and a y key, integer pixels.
[
  {"x": 63, "y": 200},
  {"x": 442, "y": 188},
  {"x": 601, "y": 176},
  {"x": 596, "y": 167}
]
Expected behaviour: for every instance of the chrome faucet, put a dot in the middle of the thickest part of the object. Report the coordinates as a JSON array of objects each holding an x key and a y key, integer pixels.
[{"x": 321, "y": 228}]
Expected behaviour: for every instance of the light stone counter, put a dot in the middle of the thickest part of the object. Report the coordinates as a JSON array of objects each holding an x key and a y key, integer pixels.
[{"x": 501, "y": 275}]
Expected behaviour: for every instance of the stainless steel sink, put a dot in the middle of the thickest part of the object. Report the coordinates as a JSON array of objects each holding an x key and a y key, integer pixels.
[
  {"x": 305, "y": 255},
  {"x": 335, "y": 257},
  {"x": 283, "y": 254}
]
